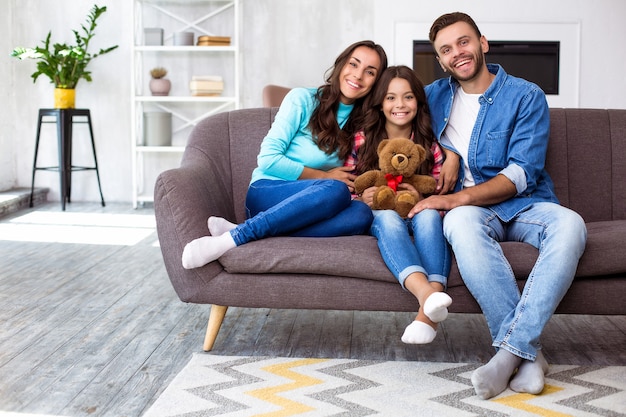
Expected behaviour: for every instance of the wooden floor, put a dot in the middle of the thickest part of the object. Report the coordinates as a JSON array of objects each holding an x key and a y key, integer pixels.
[{"x": 90, "y": 325}]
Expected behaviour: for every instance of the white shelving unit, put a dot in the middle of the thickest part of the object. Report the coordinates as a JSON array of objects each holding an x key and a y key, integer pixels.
[{"x": 203, "y": 17}]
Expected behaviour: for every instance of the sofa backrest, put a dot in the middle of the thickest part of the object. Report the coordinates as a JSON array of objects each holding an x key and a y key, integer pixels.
[
  {"x": 586, "y": 156},
  {"x": 587, "y": 161}
]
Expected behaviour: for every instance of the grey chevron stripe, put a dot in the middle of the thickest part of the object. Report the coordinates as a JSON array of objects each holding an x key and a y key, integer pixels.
[
  {"x": 357, "y": 384},
  {"x": 210, "y": 392},
  {"x": 455, "y": 399},
  {"x": 581, "y": 402}
]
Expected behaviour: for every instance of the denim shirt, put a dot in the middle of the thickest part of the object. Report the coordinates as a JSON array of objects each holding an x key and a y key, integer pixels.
[{"x": 510, "y": 137}]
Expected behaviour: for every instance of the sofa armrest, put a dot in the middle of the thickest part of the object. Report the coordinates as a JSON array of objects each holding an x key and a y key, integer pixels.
[{"x": 184, "y": 198}]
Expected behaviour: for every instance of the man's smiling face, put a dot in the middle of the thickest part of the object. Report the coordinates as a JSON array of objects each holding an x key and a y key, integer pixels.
[{"x": 460, "y": 51}]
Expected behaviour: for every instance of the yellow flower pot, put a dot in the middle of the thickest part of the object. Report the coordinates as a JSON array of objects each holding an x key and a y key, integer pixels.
[{"x": 64, "y": 98}]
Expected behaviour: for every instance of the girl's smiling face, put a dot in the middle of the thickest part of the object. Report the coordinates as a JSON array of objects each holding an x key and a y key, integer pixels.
[{"x": 400, "y": 104}]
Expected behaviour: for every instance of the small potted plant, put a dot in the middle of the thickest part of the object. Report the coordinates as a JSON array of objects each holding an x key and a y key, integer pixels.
[
  {"x": 159, "y": 86},
  {"x": 65, "y": 64}
]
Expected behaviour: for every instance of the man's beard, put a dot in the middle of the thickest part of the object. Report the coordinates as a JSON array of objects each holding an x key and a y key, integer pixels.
[{"x": 479, "y": 61}]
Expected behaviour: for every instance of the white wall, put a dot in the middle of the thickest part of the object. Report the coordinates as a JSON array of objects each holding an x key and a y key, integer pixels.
[
  {"x": 283, "y": 42},
  {"x": 8, "y": 176}
]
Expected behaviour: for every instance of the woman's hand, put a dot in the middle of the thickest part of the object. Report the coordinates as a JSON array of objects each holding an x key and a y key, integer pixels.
[{"x": 344, "y": 175}]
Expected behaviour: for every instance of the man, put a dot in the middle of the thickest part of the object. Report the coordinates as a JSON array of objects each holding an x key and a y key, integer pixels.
[{"x": 499, "y": 125}]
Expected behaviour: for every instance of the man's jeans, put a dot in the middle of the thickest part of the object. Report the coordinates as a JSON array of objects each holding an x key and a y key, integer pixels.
[
  {"x": 428, "y": 252},
  {"x": 312, "y": 208},
  {"x": 516, "y": 320}
]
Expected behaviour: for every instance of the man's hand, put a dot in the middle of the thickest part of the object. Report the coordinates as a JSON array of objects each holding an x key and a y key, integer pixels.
[
  {"x": 449, "y": 173},
  {"x": 494, "y": 191},
  {"x": 438, "y": 202}
]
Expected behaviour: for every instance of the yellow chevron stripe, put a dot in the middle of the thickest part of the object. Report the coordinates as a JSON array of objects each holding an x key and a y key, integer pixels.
[
  {"x": 289, "y": 408},
  {"x": 519, "y": 401}
]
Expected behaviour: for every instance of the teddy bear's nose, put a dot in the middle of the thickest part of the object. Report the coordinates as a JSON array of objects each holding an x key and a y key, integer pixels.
[{"x": 400, "y": 158}]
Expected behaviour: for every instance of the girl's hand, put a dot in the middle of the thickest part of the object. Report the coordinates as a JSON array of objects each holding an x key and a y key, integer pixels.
[
  {"x": 368, "y": 196},
  {"x": 409, "y": 187}
]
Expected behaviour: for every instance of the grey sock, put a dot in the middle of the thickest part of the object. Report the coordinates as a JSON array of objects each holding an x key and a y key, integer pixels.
[
  {"x": 491, "y": 379},
  {"x": 530, "y": 375}
]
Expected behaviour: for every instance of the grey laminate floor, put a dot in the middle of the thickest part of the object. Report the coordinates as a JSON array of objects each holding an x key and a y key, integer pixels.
[{"x": 90, "y": 325}]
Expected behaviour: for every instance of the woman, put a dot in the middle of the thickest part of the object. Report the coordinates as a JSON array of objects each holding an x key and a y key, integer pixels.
[
  {"x": 422, "y": 263},
  {"x": 300, "y": 186}
]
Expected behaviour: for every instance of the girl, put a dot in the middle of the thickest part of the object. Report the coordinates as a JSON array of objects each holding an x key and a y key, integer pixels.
[
  {"x": 421, "y": 264},
  {"x": 300, "y": 187}
]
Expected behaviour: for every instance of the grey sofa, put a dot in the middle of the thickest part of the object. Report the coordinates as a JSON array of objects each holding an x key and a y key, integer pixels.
[{"x": 586, "y": 159}]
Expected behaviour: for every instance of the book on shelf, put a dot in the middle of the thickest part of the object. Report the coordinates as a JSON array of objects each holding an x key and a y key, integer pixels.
[
  {"x": 206, "y": 78},
  {"x": 213, "y": 40},
  {"x": 206, "y": 85},
  {"x": 201, "y": 85},
  {"x": 197, "y": 93}
]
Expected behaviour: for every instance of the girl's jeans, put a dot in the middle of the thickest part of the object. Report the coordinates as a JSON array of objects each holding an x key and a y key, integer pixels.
[
  {"x": 312, "y": 208},
  {"x": 516, "y": 320},
  {"x": 428, "y": 252}
]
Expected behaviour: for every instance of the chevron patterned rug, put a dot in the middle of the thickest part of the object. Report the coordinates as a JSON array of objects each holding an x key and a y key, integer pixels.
[{"x": 262, "y": 386}]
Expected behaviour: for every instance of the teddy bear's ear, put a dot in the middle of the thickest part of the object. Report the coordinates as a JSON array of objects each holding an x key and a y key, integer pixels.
[
  {"x": 420, "y": 151},
  {"x": 381, "y": 145}
]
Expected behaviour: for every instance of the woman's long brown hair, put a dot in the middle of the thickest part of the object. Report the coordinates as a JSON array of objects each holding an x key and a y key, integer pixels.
[
  {"x": 373, "y": 120},
  {"x": 323, "y": 124}
]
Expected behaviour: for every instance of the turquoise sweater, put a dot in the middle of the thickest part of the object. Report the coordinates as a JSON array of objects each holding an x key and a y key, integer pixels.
[{"x": 288, "y": 147}]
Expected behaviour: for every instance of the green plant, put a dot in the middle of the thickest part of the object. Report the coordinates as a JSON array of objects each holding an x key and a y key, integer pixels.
[
  {"x": 66, "y": 64},
  {"x": 158, "y": 72}
]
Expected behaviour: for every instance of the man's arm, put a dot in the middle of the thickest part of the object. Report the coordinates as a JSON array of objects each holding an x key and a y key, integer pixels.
[{"x": 494, "y": 191}]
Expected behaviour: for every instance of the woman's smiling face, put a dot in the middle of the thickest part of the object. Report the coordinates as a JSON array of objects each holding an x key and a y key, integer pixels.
[{"x": 359, "y": 74}]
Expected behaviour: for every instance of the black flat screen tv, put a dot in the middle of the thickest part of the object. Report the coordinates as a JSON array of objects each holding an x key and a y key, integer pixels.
[{"x": 536, "y": 61}]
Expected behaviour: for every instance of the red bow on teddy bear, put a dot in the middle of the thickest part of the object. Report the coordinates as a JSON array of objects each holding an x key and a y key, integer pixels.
[{"x": 393, "y": 181}]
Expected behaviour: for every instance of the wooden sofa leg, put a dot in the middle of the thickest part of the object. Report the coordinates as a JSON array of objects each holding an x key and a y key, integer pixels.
[{"x": 216, "y": 317}]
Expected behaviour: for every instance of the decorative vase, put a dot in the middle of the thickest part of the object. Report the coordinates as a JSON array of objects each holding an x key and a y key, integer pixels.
[
  {"x": 157, "y": 128},
  {"x": 160, "y": 86},
  {"x": 64, "y": 98}
]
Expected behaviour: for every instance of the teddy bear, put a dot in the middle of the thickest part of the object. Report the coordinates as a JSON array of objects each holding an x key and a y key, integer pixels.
[{"x": 398, "y": 159}]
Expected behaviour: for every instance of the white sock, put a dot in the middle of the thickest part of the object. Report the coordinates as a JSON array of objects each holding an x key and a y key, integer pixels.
[
  {"x": 206, "y": 249},
  {"x": 418, "y": 333},
  {"x": 436, "y": 306},
  {"x": 219, "y": 225},
  {"x": 530, "y": 376}
]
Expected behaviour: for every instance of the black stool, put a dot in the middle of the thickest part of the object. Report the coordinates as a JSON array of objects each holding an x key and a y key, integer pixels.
[{"x": 64, "y": 119}]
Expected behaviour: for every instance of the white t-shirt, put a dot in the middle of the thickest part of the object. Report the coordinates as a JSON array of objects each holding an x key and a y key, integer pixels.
[{"x": 458, "y": 132}]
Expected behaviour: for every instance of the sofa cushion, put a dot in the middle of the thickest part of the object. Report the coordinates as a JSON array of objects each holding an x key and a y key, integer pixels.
[
  {"x": 302, "y": 255},
  {"x": 325, "y": 256},
  {"x": 604, "y": 253}
]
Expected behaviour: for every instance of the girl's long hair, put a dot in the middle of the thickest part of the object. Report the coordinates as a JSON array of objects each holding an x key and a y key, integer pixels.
[
  {"x": 373, "y": 120},
  {"x": 323, "y": 124}
]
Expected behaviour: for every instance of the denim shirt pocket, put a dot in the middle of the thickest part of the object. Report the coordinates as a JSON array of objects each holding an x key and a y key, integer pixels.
[{"x": 496, "y": 151}]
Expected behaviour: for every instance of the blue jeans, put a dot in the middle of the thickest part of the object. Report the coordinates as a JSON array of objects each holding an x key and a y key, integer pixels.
[
  {"x": 516, "y": 320},
  {"x": 428, "y": 252},
  {"x": 311, "y": 208}
]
